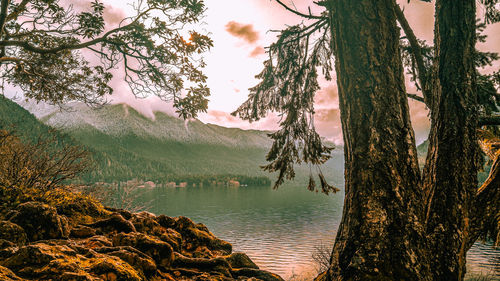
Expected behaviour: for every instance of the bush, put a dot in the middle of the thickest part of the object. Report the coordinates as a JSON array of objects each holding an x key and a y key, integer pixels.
[{"x": 38, "y": 171}]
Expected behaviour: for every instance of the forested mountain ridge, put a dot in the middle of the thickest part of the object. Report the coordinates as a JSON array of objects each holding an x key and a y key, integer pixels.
[{"x": 128, "y": 145}]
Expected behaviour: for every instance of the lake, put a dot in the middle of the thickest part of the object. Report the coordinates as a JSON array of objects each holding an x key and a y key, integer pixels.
[{"x": 278, "y": 229}]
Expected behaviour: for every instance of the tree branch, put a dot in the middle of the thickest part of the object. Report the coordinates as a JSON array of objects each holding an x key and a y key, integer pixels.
[
  {"x": 9, "y": 59},
  {"x": 489, "y": 120},
  {"x": 416, "y": 51},
  {"x": 415, "y": 97},
  {"x": 18, "y": 10},
  {"x": 485, "y": 221},
  {"x": 31, "y": 48},
  {"x": 297, "y": 12}
]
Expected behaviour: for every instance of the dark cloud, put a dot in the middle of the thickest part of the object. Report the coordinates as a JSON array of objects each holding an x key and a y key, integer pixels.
[
  {"x": 243, "y": 31},
  {"x": 258, "y": 51}
]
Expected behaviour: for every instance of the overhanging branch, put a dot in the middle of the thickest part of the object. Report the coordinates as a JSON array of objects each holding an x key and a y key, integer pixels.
[
  {"x": 489, "y": 120},
  {"x": 297, "y": 12},
  {"x": 415, "y": 97}
]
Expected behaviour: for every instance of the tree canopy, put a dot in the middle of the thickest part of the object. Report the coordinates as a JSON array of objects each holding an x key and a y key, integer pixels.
[
  {"x": 57, "y": 53},
  {"x": 302, "y": 52}
]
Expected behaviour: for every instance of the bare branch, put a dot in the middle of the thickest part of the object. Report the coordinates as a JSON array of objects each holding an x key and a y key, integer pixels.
[
  {"x": 299, "y": 13},
  {"x": 416, "y": 97},
  {"x": 489, "y": 120},
  {"x": 416, "y": 51},
  {"x": 18, "y": 10}
]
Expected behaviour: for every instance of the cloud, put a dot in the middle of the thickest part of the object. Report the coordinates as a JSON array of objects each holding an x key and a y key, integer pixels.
[
  {"x": 222, "y": 118},
  {"x": 243, "y": 31},
  {"x": 259, "y": 50}
]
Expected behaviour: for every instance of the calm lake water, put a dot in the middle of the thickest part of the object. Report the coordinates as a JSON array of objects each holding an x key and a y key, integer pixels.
[{"x": 278, "y": 229}]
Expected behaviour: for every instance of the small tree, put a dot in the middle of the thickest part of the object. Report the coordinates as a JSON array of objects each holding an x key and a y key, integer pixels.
[
  {"x": 37, "y": 167},
  {"x": 46, "y": 49}
]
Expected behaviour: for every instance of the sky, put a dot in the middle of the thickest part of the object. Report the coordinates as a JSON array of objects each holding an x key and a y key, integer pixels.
[{"x": 240, "y": 30}]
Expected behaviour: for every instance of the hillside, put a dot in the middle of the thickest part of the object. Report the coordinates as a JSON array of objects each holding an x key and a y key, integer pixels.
[
  {"x": 24, "y": 124},
  {"x": 127, "y": 145}
]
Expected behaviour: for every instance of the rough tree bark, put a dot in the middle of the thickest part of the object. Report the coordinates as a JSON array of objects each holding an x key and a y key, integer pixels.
[
  {"x": 450, "y": 174},
  {"x": 381, "y": 236}
]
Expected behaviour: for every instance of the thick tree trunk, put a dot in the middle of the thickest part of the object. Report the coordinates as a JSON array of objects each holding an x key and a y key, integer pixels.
[
  {"x": 450, "y": 175},
  {"x": 381, "y": 236}
]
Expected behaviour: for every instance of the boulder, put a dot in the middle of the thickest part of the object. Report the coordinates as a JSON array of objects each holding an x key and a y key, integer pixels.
[
  {"x": 114, "y": 269},
  {"x": 173, "y": 238},
  {"x": 72, "y": 276},
  {"x": 40, "y": 221},
  {"x": 145, "y": 222},
  {"x": 161, "y": 252},
  {"x": 256, "y": 273},
  {"x": 240, "y": 260},
  {"x": 7, "y": 275},
  {"x": 97, "y": 241},
  {"x": 53, "y": 260},
  {"x": 36, "y": 255},
  {"x": 12, "y": 232},
  {"x": 218, "y": 265},
  {"x": 196, "y": 235},
  {"x": 133, "y": 257},
  {"x": 114, "y": 223},
  {"x": 166, "y": 221},
  {"x": 82, "y": 231}
]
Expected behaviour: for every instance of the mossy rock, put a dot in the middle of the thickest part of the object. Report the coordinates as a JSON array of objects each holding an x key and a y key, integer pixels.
[
  {"x": 40, "y": 221},
  {"x": 12, "y": 232}
]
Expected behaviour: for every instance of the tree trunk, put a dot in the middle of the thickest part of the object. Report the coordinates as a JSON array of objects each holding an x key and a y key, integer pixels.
[
  {"x": 381, "y": 236},
  {"x": 450, "y": 174}
]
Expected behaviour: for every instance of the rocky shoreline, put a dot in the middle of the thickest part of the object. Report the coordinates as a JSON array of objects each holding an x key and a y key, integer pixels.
[{"x": 40, "y": 242}]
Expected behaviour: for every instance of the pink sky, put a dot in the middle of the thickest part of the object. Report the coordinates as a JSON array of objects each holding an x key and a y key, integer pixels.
[{"x": 239, "y": 29}]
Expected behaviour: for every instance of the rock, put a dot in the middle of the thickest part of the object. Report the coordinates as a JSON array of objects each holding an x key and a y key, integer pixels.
[
  {"x": 126, "y": 214},
  {"x": 97, "y": 241},
  {"x": 82, "y": 231},
  {"x": 198, "y": 235},
  {"x": 256, "y": 273},
  {"x": 7, "y": 275},
  {"x": 240, "y": 260},
  {"x": 165, "y": 221},
  {"x": 36, "y": 255},
  {"x": 40, "y": 221},
  {"x": 54, "y": 261},
  {"x": 7, "y": 249},
  {"x": 72, "y": 276},
  {"x": 133, "y": 257},
  {"x": 12, "y": 232},
  {"x": 114, "y": 223},
  {"x": 173, "y": 238},
  {"x": 114, "y": 269},
  {"x": 219, "y": 265},
  {"x": 161, "y": 252},
  {"x": 145, "y": 222}
]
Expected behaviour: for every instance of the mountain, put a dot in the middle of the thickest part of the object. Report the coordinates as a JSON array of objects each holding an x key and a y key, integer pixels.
[
  {"x": 128, "y": 145},
  {"x": 25, "y": 125}
]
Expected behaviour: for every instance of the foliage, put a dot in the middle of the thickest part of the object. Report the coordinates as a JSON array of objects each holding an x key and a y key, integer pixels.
[
  {"x": 47, "y": 49},
  {"x": 37, "y": 172},
  {"x": 39, "y": 164},
  {"x": 288, "y": 85}
]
